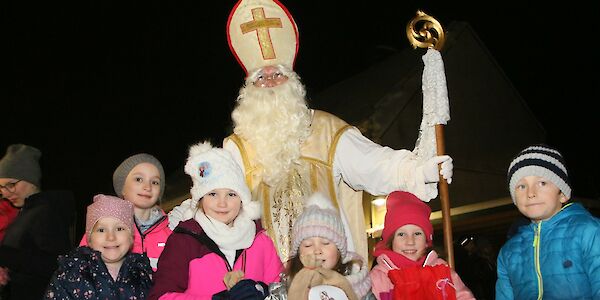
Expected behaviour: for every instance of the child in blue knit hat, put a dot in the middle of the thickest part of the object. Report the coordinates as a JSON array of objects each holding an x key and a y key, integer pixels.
[{"x": 557, "y": 255}]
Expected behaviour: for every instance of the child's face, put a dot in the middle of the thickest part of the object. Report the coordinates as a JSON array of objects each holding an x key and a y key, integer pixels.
[
  {"x": 410, "y": 241},
  {"x": 112, "y": 238},
  {"x": 323, "y": 249},
  {"x": 222, "y": 204},
  {"x": 142, "y": 186},
  {"x": 537, "y": 198}
]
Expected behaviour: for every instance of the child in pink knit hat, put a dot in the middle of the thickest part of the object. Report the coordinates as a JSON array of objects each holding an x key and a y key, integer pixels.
[
  {"x": 140, "y": 179},
  {"x": 106, "y": 268},
  {"x": 406, "y": 266}
]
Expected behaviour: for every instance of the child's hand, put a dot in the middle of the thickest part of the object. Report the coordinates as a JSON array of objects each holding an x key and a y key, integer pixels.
[
  {"x": 233, "y": 277},
  {"x": 4, "y": 278},
  {"x": 310, "y": 261}
]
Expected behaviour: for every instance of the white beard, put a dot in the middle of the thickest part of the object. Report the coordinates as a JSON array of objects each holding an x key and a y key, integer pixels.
[{"x": 275, "y": 122}]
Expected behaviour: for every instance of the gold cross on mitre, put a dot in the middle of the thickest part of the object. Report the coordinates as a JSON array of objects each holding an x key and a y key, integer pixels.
[
  {"x": 262, "y": 33},
  {"x": 261, "y": 25}
]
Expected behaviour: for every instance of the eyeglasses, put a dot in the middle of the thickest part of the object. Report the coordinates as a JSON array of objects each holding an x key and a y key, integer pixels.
[
  {"x": 261, "y": 80},
  {"x": 10, "y": 187}
]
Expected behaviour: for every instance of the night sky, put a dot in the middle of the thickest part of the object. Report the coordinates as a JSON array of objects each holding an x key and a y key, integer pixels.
[{"x": 92, "y": 82}]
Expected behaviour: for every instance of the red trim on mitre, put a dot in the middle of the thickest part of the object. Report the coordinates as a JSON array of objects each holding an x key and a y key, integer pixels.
[
  {"x": 229, "y": 36},
  {"x": 287, "y": 13}
]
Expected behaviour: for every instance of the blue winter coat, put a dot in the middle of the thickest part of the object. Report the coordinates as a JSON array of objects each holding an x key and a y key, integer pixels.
[
  {"x": 82, "y": 274},
  {"x": 554, "y": 259}
]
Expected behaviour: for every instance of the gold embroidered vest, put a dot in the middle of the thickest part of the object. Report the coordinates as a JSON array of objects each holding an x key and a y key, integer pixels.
[{"x": 317, "y": 154}]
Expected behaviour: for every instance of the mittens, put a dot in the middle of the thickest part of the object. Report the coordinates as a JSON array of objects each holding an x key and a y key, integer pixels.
[
  {"x": 331, "y": 277},
  {"x": 245, "y": 289},
  {"x": 310, "y": 261},
  {"x": 310, "y": 277},
  {"x": 233, "y": 277},
  {"x": 302, "y": 282}
]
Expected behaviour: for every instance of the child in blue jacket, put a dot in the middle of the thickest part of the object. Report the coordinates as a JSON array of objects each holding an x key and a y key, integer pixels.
[{"x": 557, "y": 255}]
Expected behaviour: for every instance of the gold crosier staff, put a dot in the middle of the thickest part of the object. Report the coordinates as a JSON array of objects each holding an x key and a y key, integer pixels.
[{"x": 424, "y": 31}]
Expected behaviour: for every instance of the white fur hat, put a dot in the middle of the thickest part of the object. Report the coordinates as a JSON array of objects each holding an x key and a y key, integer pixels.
[{"x": 214, "y": 168}]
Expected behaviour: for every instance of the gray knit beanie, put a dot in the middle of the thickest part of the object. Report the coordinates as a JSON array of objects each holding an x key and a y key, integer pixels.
[
  {"x": 542, "y": 161},
  {"x": 319, "y": 219},
  {"x": 128, "y": 164},
  {"x": 22, "y": 162}
]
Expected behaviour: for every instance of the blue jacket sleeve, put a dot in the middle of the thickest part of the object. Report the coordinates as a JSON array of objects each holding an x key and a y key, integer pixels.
[
  {"x": 503, "y": 287},
  {"x": 591, "y": 255}
]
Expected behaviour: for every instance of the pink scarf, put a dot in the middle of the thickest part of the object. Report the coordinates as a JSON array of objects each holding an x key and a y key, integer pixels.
[{"x": 398, "y": 259}]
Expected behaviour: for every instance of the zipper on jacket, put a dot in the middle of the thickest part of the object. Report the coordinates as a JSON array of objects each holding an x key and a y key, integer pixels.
[
  {"x": 230, "y": 268},
  {"x": 536, "y": 258},
  {"x": 143, "y": 235}
]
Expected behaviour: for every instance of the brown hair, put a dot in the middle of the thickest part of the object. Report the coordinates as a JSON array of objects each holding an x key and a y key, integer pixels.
[{"x": 294, "y": 265}]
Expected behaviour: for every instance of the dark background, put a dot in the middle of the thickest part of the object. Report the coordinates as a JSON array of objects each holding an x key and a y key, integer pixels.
[{"x": 92, "y": 82}]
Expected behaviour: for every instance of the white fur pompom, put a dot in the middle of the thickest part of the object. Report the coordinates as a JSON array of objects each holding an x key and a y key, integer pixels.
[
  {"x": 320, "y": 201},
  {"x": 200, "y": 148}
]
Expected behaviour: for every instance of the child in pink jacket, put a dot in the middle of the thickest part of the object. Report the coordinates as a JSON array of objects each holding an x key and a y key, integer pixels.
[
  {"x": 221, "y": 250},
  {"x": 140, "y": 179},
  {"x": 405, "y": 247}
]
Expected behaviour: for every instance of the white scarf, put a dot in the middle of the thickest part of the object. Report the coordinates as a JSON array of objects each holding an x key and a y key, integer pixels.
[{"x": 239, "y": 236}]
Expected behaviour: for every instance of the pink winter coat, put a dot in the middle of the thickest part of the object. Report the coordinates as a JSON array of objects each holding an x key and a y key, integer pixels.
[
  {"x": 381, "y": 282},
  {"x": 152, "y": 242},
  {"x": 191, "y": 267}
]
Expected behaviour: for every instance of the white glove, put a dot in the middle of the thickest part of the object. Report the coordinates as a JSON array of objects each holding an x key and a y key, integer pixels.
[
  {"x": 430, "y": 169},
  {"x": 176, "y": 213}
]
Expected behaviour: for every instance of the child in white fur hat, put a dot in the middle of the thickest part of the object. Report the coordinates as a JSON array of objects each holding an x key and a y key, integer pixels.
[
  {"x": 321, "y": 267},
  {"x": 106, "y": 268},
  {"x": 221, "y": 250}
]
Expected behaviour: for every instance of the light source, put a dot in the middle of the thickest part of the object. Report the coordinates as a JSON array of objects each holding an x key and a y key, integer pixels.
[{"x": 377, "y": 216}]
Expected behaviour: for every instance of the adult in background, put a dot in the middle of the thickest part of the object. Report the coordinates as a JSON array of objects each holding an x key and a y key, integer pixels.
[
  {"x": 39, "y": 233},
  {"x": 289, "y": 151},
  {"x": 478, "y": 266}
]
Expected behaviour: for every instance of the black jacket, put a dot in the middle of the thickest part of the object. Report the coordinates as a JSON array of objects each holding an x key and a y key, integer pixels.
[
  {"x": 33, "y": 242},
  {"x": 83, "y": 275}
]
